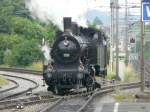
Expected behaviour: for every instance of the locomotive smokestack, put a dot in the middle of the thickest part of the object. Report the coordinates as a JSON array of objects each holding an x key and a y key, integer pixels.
[{"x": 67, "y": 24}]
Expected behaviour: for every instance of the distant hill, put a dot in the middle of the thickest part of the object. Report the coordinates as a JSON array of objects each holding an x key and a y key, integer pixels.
[{"x": 104, "y": 16}]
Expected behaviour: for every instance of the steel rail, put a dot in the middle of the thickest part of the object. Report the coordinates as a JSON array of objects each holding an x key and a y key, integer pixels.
[
  {"x": 20, "y": 70},
  {"x": 109, "y": 90},
  {"x": 22, "y": 92},
  {"x": 11, "y": 88},
  {"x": 104, "y": 90},
  {"x": 8, "y": 104},
  {"x": 48, "y": 108}
]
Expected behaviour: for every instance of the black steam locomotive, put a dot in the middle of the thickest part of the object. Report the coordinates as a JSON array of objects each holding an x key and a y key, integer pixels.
[{"x": 78, "y": 55}]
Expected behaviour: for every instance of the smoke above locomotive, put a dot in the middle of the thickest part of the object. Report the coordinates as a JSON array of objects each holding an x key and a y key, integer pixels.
[
  {"x": 55, "y": 10},
  {"x": 78, "y": 55}
]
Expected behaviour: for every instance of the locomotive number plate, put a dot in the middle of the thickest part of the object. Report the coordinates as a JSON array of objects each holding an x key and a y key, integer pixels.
[{"x": 66, "y": 55}]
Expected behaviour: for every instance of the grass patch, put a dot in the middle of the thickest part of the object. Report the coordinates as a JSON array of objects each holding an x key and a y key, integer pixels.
[
  {"x": 129, "y": 74},
  {"x": 37, "y": 66},
  {"x": 4, "y": 66},
  {"x": 121, "y": 96},
  {"x": 3, "y": 81}
]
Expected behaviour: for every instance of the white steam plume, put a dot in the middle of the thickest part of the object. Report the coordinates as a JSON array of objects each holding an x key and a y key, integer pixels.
[
  {"x": 46, "y": 51},
  {"x": 55, "y": 10}
]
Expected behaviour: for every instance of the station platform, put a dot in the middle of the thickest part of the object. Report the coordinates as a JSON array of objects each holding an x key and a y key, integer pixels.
[{"x": 126, "y": 107}]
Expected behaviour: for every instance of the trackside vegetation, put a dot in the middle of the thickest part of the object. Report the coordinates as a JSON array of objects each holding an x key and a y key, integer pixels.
[
  {"x": 130, "y": 75},
  {"x": 110, "y": 73},
  {"x": 3, "y": 81},
  {"x": 120, "y": 95}
]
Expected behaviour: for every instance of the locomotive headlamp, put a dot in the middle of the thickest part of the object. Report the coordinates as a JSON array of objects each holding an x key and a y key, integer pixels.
[{"x": 66, "y": 42}]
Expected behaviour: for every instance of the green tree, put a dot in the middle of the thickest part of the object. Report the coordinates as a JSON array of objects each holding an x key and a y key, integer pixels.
[
  {"x": 21, "y": 34},
  {"x": 8, "y": 41},
  {"x": 1, "y": 56},
  {"x": 8, "y": 57}
]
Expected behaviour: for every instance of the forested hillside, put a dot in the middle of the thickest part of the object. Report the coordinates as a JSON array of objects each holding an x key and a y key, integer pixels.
[{"x": 20, "y": 35}]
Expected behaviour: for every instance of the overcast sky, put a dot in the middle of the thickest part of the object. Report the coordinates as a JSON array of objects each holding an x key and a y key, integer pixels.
[
  {"x": 97, "y": 3},
  {"x": 55, "y": 10}
]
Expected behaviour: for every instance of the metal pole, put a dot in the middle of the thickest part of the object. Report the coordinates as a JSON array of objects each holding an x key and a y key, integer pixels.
[
  {"x": 126, "y": 33},
  {"x": 142, "y": 54},
  {"x": 117, "y": 41},
  {"x": 113, "y": 27},
  {"x": 112, "y": 35}
]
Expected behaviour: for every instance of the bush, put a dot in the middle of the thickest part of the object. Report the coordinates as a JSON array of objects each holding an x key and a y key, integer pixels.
[
  {"x": 25, "y": 53},
  {"x": 20, "y": 34}
]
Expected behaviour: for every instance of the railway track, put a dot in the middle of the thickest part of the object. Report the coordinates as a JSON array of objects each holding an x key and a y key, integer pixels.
[
  {"x": 26, "y": 74},
  {"x": 20, "y": 89},
  {"x": 20, "y": 70},
  {"x": 84, "y": 108},
  {"x": 37, "y": 99},
  {"x": 71, "y": 103},
  {"x": 79, "y": 102},
  {"x": 16, "y": 85},
  {"x": 68, "y": 103}
]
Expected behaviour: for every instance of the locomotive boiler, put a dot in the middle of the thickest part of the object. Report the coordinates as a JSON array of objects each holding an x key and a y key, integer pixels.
[{"x": 78, "y": 55}]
